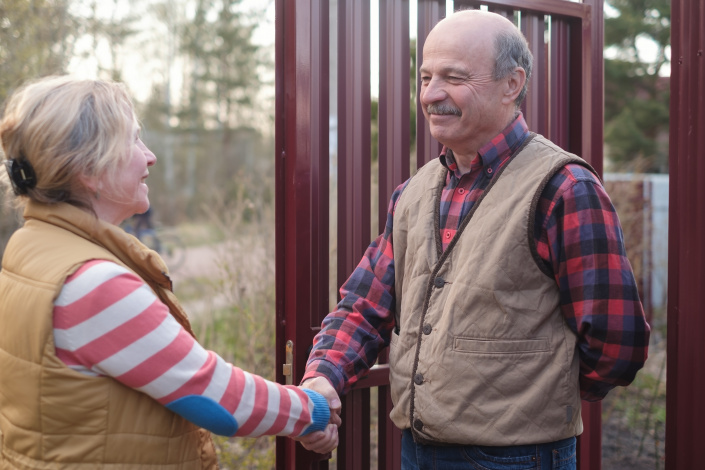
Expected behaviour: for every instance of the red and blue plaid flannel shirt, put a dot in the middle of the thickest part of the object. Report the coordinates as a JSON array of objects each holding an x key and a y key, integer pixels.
[{"x": 578, "y": 237}]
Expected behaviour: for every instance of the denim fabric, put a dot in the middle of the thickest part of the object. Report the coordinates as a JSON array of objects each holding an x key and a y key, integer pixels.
[{"x": 559, "y": 455}]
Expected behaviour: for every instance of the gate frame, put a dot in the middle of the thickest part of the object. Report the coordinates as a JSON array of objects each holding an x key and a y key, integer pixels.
[{"x": 302, "y": 170}]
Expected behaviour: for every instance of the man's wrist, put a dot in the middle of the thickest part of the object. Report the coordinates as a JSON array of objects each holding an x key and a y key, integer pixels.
[{"x": 326, "y": 370}]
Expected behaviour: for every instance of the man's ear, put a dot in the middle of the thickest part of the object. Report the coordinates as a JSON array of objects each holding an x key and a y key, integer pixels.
[{"x": 514, "y": 84}]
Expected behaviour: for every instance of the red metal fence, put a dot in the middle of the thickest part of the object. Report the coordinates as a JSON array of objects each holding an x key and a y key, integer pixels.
[
  {"x": 565, "y": 103},
  {"x": 685, "y": 407}
]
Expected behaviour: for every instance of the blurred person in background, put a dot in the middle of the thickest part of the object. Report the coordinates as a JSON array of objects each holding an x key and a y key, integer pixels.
[{"x": 98, "y": 362}]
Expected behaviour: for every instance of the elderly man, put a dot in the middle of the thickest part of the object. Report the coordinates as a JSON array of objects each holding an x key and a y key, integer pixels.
[{"x": 501, "y": 282}]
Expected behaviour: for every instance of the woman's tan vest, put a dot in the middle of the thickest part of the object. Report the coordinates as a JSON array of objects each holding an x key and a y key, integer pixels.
[
  {"x": 52, "y": 417},
  {"x": 483, "y": 355}
]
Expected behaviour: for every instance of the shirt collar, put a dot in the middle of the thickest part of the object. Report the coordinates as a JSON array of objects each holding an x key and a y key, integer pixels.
[{"x": 492, "y": 154}]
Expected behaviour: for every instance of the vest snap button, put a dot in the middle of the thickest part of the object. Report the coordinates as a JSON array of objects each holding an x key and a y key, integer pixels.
[
  {"x": 439, "y": 282},
  {"x": 418, "y": 379},
  {"x": 427, "y": 329},
  {"x": 418, "y": 424}
]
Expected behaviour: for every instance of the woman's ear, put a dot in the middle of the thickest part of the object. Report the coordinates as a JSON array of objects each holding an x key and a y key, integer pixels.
[{"x": 90, "y": 182}]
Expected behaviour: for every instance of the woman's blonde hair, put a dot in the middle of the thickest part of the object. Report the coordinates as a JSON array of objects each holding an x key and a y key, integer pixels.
[{"x": 64, "y": 128}]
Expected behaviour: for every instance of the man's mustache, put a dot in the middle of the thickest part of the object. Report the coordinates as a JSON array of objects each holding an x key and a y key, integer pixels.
[{"x": 442, "y": 109}]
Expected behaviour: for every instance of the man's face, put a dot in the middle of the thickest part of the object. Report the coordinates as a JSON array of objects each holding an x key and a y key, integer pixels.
[{"x": 460, "y": 99}]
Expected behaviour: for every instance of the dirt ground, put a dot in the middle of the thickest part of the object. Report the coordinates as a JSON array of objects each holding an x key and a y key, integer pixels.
[
  {"x": 621, "y": 445},
  {"x": 633, "y": 417}
]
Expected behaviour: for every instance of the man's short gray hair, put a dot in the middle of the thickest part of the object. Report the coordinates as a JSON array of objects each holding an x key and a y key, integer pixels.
[{"x": 513, "y": 51}]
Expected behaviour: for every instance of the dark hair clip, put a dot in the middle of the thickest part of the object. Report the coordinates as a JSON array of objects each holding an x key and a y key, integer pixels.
[{"x": 21, "y": 174}]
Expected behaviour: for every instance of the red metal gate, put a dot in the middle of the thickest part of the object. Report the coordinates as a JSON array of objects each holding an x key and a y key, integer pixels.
[
  {"x": 685, "y": 408},
  {"x": 565, "y": 103}
]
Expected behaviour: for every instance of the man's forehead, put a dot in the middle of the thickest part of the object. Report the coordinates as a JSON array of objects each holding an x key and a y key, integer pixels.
[
  {"x": 446, "y": 56},
  {"x": 459, "y": 42}
]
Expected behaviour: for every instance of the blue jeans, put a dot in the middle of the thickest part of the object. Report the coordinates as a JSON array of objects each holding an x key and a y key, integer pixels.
[{"x": 559, "y": 455}]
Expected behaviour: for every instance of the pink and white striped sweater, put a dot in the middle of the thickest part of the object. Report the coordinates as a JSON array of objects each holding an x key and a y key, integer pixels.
[{"x": 108, "y": 322}]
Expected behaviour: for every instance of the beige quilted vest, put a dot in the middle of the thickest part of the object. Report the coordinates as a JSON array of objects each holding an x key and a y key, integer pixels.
[{"x": 483, "y": 355}]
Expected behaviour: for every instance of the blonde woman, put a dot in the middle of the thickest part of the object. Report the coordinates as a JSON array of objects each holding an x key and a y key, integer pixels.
[{"x": 98, "y": 364}]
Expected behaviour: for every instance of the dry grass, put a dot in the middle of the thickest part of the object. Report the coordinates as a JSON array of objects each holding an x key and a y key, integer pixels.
[{"x": 236, "y": 316}]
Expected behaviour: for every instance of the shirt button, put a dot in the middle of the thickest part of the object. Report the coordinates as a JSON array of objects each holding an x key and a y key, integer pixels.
[
  {"x": 447, "y": 234},
  {"x": 461, "y": 191},
  {"x": 489, "y": 171},
  {"x": 439, "y": 282},
  {"x": 418, "y": 424},
  {"x": 418, "y": 379},
  {"x": 427, "y": 329}
]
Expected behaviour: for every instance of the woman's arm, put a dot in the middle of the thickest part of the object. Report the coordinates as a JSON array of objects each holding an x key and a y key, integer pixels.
[{"x": 108, "y": 322}]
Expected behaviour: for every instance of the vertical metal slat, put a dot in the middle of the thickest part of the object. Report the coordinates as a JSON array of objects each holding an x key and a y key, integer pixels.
[
  {"x": 394, "y": 100},
  {"x": 354, "y": 134},
  {"x": 429, "y": 13},
  {"x": 685, "y": 408},
  {"x": 535, "y": 106},
  {"x": 301, "y": 191},
  {"x": 354, "y": 186},
  {"x": 560, "y": 80}
]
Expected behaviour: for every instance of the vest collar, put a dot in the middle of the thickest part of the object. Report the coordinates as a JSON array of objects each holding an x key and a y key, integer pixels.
[{"x": 144, "y": 262}]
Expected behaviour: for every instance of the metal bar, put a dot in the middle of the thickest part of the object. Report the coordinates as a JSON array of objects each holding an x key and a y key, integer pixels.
[
  {"x": 394, "y": 165},
  {"x": 354, "y": 448},
  {"x": 394, "y": 101},
  {"x": 499, "y": 8},
  {"x": 685, "y": 408},
  {"x": 506, "y": 12},
  {"x": 559, "y": 78},
  {"x": 590, "y": 441},
  {"x": 588, "y": 37},
  {"x": 429, "y": 13},
  {"x": 376, "y": 377},
  {"x": 578, "y": 118},
  {"x": 389, "y": 449},
  {"x": 535, "y": 110},
  {"x": 354, "y": 199},
  {"x": 647, "y": 251},
  {"x": 596, "y": 28},
  {"x": 544, "y": 7},
  {"x": 301, "y": 198},
  {"x": 354, "y": 134}
]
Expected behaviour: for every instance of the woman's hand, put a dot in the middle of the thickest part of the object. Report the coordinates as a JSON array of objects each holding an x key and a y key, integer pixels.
[{"x": 324, "y": 441}]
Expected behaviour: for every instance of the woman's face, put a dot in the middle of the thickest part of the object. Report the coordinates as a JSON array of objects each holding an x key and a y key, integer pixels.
[{"x": 127, "y": 193}]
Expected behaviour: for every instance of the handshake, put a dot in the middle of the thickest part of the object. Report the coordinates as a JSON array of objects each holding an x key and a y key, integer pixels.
[{"x": 324, "y": 441}]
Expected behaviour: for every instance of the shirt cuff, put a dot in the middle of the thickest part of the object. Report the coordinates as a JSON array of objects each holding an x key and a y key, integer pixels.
[
  {"x": 321, "y": 412},
  {"x": 324, "y": 368}
]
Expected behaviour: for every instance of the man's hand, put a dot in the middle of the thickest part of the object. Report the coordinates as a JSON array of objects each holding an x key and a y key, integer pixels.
[{"x": 325, "y": 441}]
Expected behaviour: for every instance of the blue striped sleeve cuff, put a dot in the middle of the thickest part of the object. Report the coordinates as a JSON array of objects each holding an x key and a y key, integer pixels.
[{"x": 321, "y": 412}]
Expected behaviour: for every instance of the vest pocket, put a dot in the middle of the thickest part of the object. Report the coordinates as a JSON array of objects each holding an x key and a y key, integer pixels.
[{"x": 500, "y": 346}]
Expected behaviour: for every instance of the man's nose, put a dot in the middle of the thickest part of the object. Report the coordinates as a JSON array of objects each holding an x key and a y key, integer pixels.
[{"x": 433, "y": 92}]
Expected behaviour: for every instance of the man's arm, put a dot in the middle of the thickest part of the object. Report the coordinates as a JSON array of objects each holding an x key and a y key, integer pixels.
[
  {"x": 352, "y": 336},
  {"x": 580, "y": 238}
]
